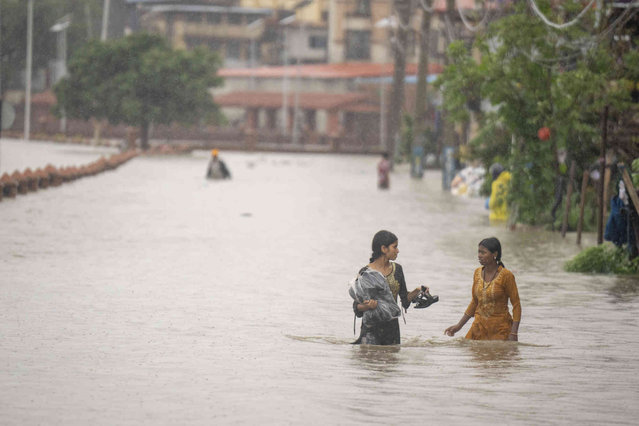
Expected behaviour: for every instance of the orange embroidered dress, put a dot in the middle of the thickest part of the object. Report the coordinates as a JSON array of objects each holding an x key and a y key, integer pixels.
[{"x": 489, "y": 306}]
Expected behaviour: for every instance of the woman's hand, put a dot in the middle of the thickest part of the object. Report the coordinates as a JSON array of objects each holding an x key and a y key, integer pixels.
[
  {"x": 513, "y": 332},
  {"x": 367, "y": 305},
  {"x": 413, "y": 294},
  {"x": 450, "y": 331}
]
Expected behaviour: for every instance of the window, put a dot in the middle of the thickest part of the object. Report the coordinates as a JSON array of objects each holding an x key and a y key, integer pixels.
[
  {"x": 212, "y": 44},
  {"x": 317, "y": 42},
  {"x": 363, "y": 8},
  {"x": 214, "y": 18},
  {"x": 235, "y": 19},
  {"x": 194, "y": 17},
  {"x": 358, "y": 45},
  {"x": 215, "y": 45},
  {"x": 193, "y": 42},
  {"x": 233, "y": 49}
]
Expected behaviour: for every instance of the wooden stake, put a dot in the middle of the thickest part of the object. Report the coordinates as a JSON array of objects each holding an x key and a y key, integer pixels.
[
  {"x": 571, "y": 176},
  {"x": 606, "y": 189},
  {"x": 582, "y": 205},
  {"x": 602, "y": 172},
  {"x": 630, "y": 188}
]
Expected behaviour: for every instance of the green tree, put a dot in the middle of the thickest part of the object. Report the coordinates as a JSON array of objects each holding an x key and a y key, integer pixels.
[
  {"x": 536, "y": 76},
  {"x": 139, "y": 80},
  {"x": 85, "y": 15}
]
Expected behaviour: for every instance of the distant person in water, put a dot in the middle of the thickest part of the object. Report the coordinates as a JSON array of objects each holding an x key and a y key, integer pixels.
[
  {"x": 383, "y": 172},
  {"x": 493, "y": 285},
  {"x": 217, "y": 169},
  {"x": 375, "y": 292}
]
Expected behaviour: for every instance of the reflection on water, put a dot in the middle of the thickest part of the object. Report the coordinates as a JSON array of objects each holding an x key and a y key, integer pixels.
[
  {"x": 376, "y": 359},
  {"x": 625, "y": 289},
  {"x": 490, "y": 355}
]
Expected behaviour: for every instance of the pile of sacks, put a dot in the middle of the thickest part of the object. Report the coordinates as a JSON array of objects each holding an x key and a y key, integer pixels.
[
  {"x": 468, "y": 181},
  {"x": 20, "y": 183}
]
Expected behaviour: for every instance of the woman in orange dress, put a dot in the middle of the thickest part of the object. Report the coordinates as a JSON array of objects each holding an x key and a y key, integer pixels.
[{"x": 493, "y": 285}]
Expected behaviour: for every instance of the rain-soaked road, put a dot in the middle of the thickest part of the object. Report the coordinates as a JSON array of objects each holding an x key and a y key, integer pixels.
[{"x": 147, "y": 295}]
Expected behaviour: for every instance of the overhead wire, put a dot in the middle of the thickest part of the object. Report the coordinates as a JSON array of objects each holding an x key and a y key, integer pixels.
[
  {"x": 546, "y": 21},
  {"x": 587, "y": 44},
  {"x": 429, "y": 9},
  {"x": 468, "y": 25},
  {"x": 579, "y": 47}
]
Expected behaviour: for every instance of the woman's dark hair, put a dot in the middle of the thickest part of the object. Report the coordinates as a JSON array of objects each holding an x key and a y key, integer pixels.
[
  {"x": 382, "y": 238},
  {"x": 494, "y": 246}
]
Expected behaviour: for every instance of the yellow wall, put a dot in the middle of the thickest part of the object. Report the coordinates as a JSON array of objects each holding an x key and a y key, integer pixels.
[{"x": 311, "y": 13}]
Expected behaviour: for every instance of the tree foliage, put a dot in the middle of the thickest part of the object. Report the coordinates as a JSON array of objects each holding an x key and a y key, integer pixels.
[
  {"x": 139, "y": 80},
  {"x": 603, "y": 259},
  {"x": 85, "y": 15},
  {"x": 534, "y": 76}
]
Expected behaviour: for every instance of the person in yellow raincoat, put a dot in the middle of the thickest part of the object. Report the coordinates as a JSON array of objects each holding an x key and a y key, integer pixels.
[
  {"x": 493, "y": 286},
  {"x": 499, "y": 191}
]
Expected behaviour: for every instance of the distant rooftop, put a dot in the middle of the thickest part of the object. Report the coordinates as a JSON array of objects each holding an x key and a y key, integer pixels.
[
  {"x": 202, "y": 8},
  {"x": 345, "y": 70}
]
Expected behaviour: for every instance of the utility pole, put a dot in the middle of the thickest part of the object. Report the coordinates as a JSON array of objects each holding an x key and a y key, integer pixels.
[
  {"x": 602, "y": 173},
  {"x": 285, "y": 23},
  {"x": 27, "y": 100},
  {"x": 105, "y": 19},
  {"x": 448, "y": 129},
  {"x": 296, "y": 101},
  {"x": 1, "y": 93},
  {"x": 387, "y": 24},
  {"x": 403, "y": 10},
  {"x": 422, "y": 69},
  {"x": 60, "y": 29},
  {"x": 285, "y": 85}
]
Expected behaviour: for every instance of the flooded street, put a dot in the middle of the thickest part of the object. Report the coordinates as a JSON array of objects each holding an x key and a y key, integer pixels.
[{"x": 148, "y": 295}]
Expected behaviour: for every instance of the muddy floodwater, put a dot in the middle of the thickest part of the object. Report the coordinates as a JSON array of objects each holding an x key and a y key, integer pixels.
[{"x": 149, "y": 295}]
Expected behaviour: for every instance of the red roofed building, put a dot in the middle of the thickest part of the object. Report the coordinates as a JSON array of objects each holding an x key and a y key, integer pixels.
[{"x": 333, "y": 101}]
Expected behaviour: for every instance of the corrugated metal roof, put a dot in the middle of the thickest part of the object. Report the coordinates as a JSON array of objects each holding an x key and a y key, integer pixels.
[{"x": 347, "y": 70}]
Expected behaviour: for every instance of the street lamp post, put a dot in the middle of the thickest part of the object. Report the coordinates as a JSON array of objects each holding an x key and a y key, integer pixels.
[
  {"x": 105, "y": 19},
  {"x": 60, "y": 28},
  {"x": 389, "y": 24},
  {"x": 27, "y": 99},
  {"x": 285, "y": 22},
  {"x": 296, "y": 130},
  {"x": 253, "y": 49}
]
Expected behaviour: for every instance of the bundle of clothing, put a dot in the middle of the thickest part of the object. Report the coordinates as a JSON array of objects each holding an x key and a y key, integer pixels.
[{"x": 370, "y": 284}]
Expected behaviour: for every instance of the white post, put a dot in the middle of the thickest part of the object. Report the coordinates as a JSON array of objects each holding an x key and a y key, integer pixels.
[
  {"x": 1, "y": 97},
  {"x": 27, "y": 100},
  {"x": 105, "y": 19},
  {"x": 285, "y": 86},
  {"x": 384, "y": 23},
  {"x": 253, "y": 49},
  {"x": 63, "y": 119},
  {"x": 296, "y": 103},
  {"x": 382, "y": 115},
  {"x": 60, "y": 29},
  {"x": 252, "y": 82}
]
